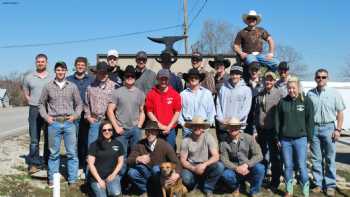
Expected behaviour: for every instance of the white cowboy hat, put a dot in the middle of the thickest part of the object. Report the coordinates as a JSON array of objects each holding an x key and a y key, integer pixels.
[
  {"x": 232, "y": 123},
  {"x": 252, "y": 13}
]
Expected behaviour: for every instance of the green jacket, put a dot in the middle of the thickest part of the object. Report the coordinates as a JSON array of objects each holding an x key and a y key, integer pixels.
[{"x": 294, "y": 118}]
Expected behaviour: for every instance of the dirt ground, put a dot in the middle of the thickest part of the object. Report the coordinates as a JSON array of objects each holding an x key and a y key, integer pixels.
[{"x": 14, "y": 180}]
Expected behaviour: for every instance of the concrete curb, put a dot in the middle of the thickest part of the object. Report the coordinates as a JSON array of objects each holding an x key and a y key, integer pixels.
[{"x": 13, "y": 132}]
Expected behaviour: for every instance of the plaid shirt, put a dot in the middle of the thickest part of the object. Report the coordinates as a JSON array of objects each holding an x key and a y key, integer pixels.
[
  {"x": 97, "y": 97},
  {"x": 55, "y": 101}
]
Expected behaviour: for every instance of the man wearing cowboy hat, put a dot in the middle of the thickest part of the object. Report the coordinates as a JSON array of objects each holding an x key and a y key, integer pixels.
[
  {"x": 233, "y": 100},
  {"x": 196, "y": 100},
  {"x": 248, "y": 43},
  {"x": 97, "y": 97},
  {"x": 199, "y": 156},
  {"x": 166, "y": 59},
  {"x": 126, "y": 110},
  {"x": 241, "y": 156},
  {"x": 219, "y": 64},
  {"x": 197, "y": 63},
  {"x": 145, "y": 158}
]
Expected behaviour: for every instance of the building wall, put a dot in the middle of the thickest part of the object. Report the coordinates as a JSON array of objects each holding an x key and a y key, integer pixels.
[{"x": 183, "y": 63}]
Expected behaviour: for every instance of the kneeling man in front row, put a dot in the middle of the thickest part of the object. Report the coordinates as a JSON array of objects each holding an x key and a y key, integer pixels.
[
  {"x": 241, "y": 156},
  {"x": 199, "y": 157}
]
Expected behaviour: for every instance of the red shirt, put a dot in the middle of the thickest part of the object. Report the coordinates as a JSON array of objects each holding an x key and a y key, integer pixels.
[{"x": 163, "y": 104}]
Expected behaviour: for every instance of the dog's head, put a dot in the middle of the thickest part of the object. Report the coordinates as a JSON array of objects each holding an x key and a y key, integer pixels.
[{"x": 166, "y": 168}]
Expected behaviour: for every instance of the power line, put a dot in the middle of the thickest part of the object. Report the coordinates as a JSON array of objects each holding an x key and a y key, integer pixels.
[
  {"x": 89, "y": 39},
  {"x": 197, "y": 14},
  {"x": 194, "y": 6}
]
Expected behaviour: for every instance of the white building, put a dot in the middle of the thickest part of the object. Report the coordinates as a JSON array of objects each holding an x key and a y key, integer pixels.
[
  {"x": 4, "y": 98},
  {"x": 344, "y": 90}
]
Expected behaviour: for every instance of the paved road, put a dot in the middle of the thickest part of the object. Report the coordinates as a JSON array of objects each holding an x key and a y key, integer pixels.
[{"x": 13, "y": 120}]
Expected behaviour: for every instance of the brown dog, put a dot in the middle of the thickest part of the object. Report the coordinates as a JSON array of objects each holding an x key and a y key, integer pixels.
[{"x": 166, "y": 170}]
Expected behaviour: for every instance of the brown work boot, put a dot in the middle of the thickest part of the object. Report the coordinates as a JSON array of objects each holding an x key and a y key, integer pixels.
[
  {"x": 236, "y": 193},
  {"x": 316, "y": 190},
  {"x": 288, "y": 195},
  {"x": 33, "y": 169}
]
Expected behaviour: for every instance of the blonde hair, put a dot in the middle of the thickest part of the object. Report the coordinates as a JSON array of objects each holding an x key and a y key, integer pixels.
[{"x": 294, "y": 79}]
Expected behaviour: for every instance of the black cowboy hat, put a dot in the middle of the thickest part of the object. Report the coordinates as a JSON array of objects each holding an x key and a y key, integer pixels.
[
  {"x": 219, "y": 59},
  {"x": 193, "y": 72},
  {"x": 129, "y": 71},
  {"x": 151, "y": 125},
  {"x": 167, "y": 57}
]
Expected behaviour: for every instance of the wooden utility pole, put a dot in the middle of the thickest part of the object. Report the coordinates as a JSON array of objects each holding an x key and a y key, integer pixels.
[{"x": 186, "y": 26}]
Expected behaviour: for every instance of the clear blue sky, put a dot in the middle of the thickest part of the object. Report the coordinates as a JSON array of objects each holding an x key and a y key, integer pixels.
[{"x": 319, "y": 29}]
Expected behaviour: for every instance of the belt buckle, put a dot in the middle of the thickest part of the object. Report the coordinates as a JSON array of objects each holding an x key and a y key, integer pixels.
[{"x": 60, "y": 119}]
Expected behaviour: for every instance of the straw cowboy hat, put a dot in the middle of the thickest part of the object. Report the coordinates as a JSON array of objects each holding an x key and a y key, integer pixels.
[
  {"x": 252, "y": 13},
  {"x": 197, "y": 121},
  {"x": 232, "y": 123}
]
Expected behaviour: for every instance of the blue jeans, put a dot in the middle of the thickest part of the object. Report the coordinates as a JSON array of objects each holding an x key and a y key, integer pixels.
[
  {"x": 323, "y": 148},
  {"x": 255, "y": 178},
  {"x": 298, "y": 148},
  {"x": 129, "y": 138},
  {"x": 56, "y": 130},
  {"x": 36, "y": 123},
  {"x": 112, "y": 188},
  {"x": 141, "y": 176},
  {"x": 82, "y": 127},
  {"x": 271, "y": 154},
  {"x": 271, "y": 64},
  {"x": 170, "y": 138},
  {"x": 208, "y": 179},
  {"x": 93, "y": 132}
]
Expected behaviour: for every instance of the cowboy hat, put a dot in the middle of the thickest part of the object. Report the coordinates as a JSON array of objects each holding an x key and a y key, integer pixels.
[
  {"x": 251, "y": 13},
  {"x": 151, "y": 125},
  {"x": 219, "y": 59},
  {"x": 197, "y": 121},
  {"x": 193, "y": 72},
  {"x": 232, "y": 123},
  {"x": 167, "y": 57}
]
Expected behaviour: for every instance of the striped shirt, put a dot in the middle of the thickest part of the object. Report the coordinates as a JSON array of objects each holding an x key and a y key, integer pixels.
[
  {"x": 97, "y": 97},
  {"x": 56, "y": 101}
]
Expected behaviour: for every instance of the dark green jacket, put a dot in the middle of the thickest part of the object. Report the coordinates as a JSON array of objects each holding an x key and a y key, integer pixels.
[{"x": 294, "y": 118}]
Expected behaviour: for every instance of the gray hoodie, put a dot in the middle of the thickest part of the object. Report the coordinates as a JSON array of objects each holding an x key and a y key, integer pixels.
[{"x": 233, "y": 101}]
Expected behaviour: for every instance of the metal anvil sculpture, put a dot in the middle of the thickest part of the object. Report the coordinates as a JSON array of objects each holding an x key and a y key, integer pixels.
[{"x": 169, "y": 54}]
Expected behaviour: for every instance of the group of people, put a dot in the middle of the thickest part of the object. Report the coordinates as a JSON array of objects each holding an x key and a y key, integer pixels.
[{"x": 260, "y": 121}]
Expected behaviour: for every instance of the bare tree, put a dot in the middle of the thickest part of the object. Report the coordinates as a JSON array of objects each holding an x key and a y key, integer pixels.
[
  {"x": 216, "y": 37},
  {"x": 13, "y": 83},
  {"x": 293, "y": 58}
]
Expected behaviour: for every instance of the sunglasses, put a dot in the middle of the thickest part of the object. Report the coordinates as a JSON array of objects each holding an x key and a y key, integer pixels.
[
  {"x": 141, "y": 60},
  {"x": 321, "y": 77},
  {"x": 251, "y": 18},
  {"x": 111, "y": 58},
  {"x": 129, "y": 76},
  {"x": 196, "y": 59},
  {"x": 110, "y": 129}
]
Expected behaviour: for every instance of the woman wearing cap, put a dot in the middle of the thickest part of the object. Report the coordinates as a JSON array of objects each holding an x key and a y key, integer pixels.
[
  {"x": 105, "y": 161},
  {"x": 294, "y": 121}
]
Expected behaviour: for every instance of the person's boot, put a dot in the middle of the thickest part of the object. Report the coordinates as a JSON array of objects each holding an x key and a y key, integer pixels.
[
  {"x": 306, "y": 189},
  {"x": 289, "y": 188}
]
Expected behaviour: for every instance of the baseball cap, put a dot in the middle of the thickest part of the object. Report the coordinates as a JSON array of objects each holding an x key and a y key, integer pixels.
[
  {"x": 163, "y": 73},
  {"x": 113, "y": 52},
  {"x": 271, "y": 74},
  {"x": 141, "y": 55},
  {"x": 235, "y": 69}
]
